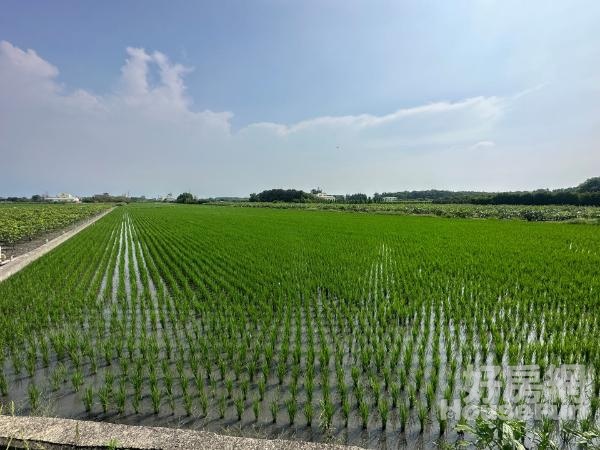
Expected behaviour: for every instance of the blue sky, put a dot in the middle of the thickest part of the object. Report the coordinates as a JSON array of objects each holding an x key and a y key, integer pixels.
[{"x": 230, "y": 97}]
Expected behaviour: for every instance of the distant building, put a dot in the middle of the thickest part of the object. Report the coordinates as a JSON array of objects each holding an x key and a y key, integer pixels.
[
  {"x": 324, "y": 196},
  {"x": 390, "y": 199},
  {"x": 168, "y": 198},
  {"x": 63, "y": 198}
]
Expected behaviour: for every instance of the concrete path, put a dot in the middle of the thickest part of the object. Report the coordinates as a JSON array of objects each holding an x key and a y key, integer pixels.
[
  {"x": 23, "y": 260},
  {"x": 49, "y": 433}
]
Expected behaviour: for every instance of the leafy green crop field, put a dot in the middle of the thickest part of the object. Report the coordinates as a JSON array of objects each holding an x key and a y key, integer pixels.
[
  {"x": 26, "y": 221},
  {"x": 547, "y": 213},
  {"x": 354, "y": 328}
]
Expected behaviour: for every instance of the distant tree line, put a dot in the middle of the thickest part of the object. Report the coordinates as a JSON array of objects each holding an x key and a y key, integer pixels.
[
  {"x": 540, "y": 198},
  {"x": 108, "y": 198},
  {"x": 281, "y": 195},
  {"x": 586, "y": 194},
  {"x": 299, "y": 196},
  {"x": 432, "y": 195}
]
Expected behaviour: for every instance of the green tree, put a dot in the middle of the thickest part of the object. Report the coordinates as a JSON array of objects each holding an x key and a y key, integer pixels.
[
  {"x": 590, "y": 185},
  {"x": 186, "y": 197}
]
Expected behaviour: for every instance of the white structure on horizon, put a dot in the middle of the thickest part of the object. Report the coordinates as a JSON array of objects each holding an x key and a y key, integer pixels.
[
  {"x": 168, "y": 198},
  {"x": 63, "y": 197},
  {"x": 324, "y": 196},
  {"x": 390, "y": 199}
]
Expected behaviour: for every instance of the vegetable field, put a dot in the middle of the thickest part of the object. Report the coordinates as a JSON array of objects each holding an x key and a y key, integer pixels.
[
  {"x": 548, "y": 213},
  {"x": 25, "y": 221},
  {"x": 355, "y": 328}
]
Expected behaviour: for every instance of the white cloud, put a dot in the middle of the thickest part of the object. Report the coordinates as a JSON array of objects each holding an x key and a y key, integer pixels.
[{"x": 146, "y": 137}]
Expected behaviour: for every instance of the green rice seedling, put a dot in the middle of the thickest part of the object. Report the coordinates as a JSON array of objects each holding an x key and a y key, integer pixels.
[
  {"x": 168, "y": 382},
  {"x": 402, "y": 379},
  {"x": 359, "y": 393},
  {"x": 45, "y": 351},
  {"x": 179, "y": 364},
  {"x": 130, "y": 347},
  {"x": 222, "y": 367},
  {"x": 422, "y": 415},
  {"x": 376, "y": 390},
  {"x": 339, "y": 373},
  {"x": 261, "y": 389},
  {"x": 326, "y": 414},
  {"x": 269, "y": 354},
  {"x": 386, "y": 377},
  {"x": 108, "y": 352},
  {"x": 442, "y": 420},
  {"x": 363, "y": 410},
  {"x": 292, "y": 408},
  {"x": 239, "y": 407},
  {"x": 281, "y": 370},
  {"x": 355, "y": 373},
  {"x": 430, "y": 395},
  {"x": 203, "y": 399},
  {"x": 274, "y": 407},
  {"x": 419, "y": 376},
  {"x": 384, "y": 410},
  {"x": 58, "y": 376},
  {"x": 171, "y": 400},
  {"x": 77, "y": 380},
  {"x": 208, "y": 369},
  {"x": 346, "y": 411},
  {"x": 265, "y": 371},
  {"x": 222, "y": 406},
  {"x": 256, "y": 409},
  {"x": 229, "y": 387},
  {"x": 252, "y": 367},
  {"x": 76, "y": 358},
  {"x": 93, "y": 365},
  {"x": 184, "y": 384},
  {"x": 124, "y": 366},
  {"x": 244, "y": 385},
  {"x": 342, "y": 389},
  {"x": 30, "y": 361},
  {"x": 309, "y": 387},
  {"x": 213, "y": 387},
  {"x": 104, "y": 395},
  {"x": 121, "y": 397},
  {"x": 237, "y": 368},
  {"x": 155, "y": 397},
  {"x": 412, "y": 396},
  {"x": 294, "y": 388},
  {"x": 395, "y": 394},
  {"x": 403, "y": 414},
  {"x": 308, "y": 413},
  {"x": 88, "y": 398},
  {"x": 34, "y": 396}
]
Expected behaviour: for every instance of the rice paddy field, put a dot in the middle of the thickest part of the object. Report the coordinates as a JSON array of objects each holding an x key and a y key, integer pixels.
[{"x": 312, "y": 325}]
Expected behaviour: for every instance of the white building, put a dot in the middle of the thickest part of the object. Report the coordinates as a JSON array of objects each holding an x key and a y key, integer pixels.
[
  {"x": 390, "y": 199},
  {"x": 324, "y": 196},
  {"x": 168, "y": 198},
  {"x": 63, "y": 197}
]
